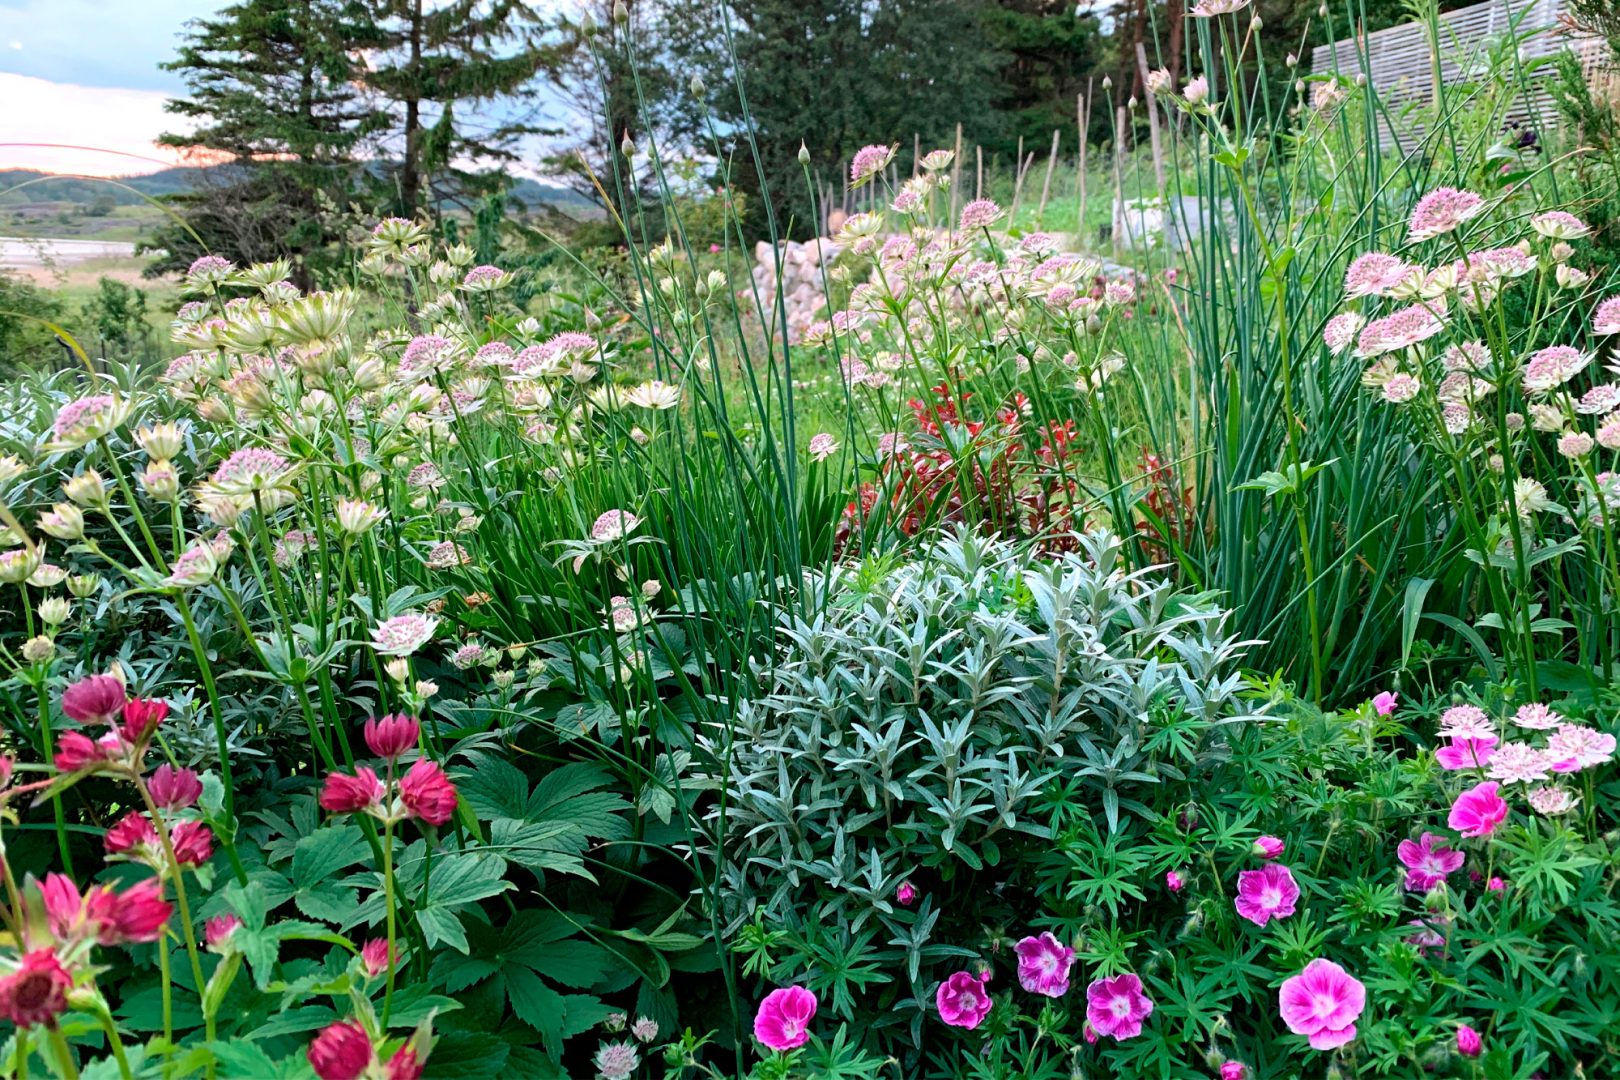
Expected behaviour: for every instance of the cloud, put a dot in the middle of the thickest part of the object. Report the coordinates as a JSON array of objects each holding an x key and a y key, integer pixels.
[
  {"x": 94, "y": 130},
  {"x": 110, "y": 43}
]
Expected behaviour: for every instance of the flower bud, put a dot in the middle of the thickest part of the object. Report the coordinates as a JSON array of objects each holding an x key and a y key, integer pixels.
[
  {"x": 621, "y": 12},
  {"x": 160, "y": 481},
  {"x": 86, "y": 489},
  {"x": 627, "y": 146},
  {"x": 63, "y": 521},
  {"x": 697, "y": 87},
  {"x": 54, "y": 611},
  {"x": 804, "y": 154},
  {"x": 84, "y": 585},
  {"x": 161, "y": 441},
  {"x": 37, "y": 650}
]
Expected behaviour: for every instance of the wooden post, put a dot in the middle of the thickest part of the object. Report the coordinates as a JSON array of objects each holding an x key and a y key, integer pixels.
[
  {"x": 978, "y": 182},
  {"x": 1082, "y": 108},
  {"x": 916, "y": 152},
  {"x": 1153, "y": 117},
  {"x": 1018, "y": 182},
  {"x": 956, "y": 174},
  {"x": 1046, "y": 186},
  {"x": 1119, "y": 174}
]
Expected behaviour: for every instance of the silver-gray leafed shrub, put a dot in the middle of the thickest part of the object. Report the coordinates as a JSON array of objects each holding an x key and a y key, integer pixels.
[{"x": 918, "y": 726}]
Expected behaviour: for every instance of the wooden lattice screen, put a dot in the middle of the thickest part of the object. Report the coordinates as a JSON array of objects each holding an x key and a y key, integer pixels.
[{"x": 1399, "y": 65}]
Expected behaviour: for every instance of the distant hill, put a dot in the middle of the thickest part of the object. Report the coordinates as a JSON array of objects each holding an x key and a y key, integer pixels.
[{"x": 128, "y": 190}]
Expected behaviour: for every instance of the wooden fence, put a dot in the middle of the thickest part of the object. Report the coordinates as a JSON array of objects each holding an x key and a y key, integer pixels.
[{"x": 1400, "y": 65}]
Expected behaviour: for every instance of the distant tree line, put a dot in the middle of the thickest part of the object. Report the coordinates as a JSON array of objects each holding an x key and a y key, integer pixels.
[{"x": 330, "y": 111}]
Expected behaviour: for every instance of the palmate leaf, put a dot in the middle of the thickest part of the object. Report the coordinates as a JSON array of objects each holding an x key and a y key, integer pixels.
[
  {"x": 317, "y": 862},
  {"x": 551, "y": 826},
  {"x": 532, "y": 951}
]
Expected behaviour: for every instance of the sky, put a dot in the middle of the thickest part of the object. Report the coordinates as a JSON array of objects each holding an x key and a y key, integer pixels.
[
  {"x": 85, "y": 73},
  {"x": 82, "y": 77}
]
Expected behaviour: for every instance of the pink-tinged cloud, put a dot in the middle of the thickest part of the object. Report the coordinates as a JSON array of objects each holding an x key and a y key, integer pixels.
[{"x": 94, "y": 131}]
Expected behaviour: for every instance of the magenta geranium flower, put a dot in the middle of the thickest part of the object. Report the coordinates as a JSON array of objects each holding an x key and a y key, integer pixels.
[
  {"x": 962, "y": 999},
  {"x": 1043, "y": 965},
  {"x": 1469, "y": 1043},
  {"x": 1466, "y": 753},
  {"x": 1322, "y": 1003},
  {"x": 1427, "y": 861},
  {"x": 1385, "y": 702},
  {"x": 1266, "y": 894},
  {"x": 1118, "y": 1006},
  {"x": 1478, "y": 811},
  {"x": 783, "y": 1019},
  {"x": 1269, "y": 847}
]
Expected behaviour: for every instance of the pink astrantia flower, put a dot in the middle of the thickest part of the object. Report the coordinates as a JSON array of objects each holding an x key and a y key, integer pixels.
[
  {"x": 1466, "y": 753},
  {"x": 94, "y": 699},
  {"x": 427, "y": 793},
  {"x": 1116, "y": 1007},
  {"x": 1043, "y": 965},
  {"x": 1384, "y": 702},
  {"x": 613, "y": 525},
  {"x": 1519, "y": 763},
  {"x": 1478, "y": 811},
  {"x": 1427, "y": 861},
  {"x": 36, "y": 993},
  {"x": 1374, "y": 274},
  {"x": 1469, "y": 1043},
  {"x": 1550, "y": 368},
  {"x": 1266, "y": 894},
  {"x": 1537, "y": 717},
  {"x": 345, "y": 794},
  {"x": 1441, "y": 211},
  {"x": 1399, "y": 330},
  {"x": 822, "y": 446},
  {"x": 1465, "y": 722},
  {"x": 783, "y": 1019},
  {"x": 390, "y": 736},
  {"x": 1606, "y": 320},
  {"x": 1573, "y": 748},
  {"x": 174, "y": 789},
  {"x": 342, "y": 1051},
  {"x": 1551, "y": 801},
  {"x": 1269, "y": 847},
  {"x": 962, "y": 1000},
  {"x": 1322, "y": 1003},
  {"x": 868, "y": 162},
  {"x": 1341, "y": 331},
  {"x": 979, "y": 214}
]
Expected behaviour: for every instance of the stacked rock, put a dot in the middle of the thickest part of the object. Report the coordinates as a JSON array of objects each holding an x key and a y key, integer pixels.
[{"x": 803, "y": 284}]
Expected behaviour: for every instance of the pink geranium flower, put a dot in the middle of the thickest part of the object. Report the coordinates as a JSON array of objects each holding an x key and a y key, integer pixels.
[
  {"x": 1117, "y": 1006},
  {"x": 1043, "y": 965},
  {"x": 1466, "y": 753},
  {"x": 1385, "y": 702},
  {"x": 1174, "y": 881},
  {"x": 1478, "y": 811},
  {"x": 783, "y": 1019},
  {"x": 962, "y": 1000},
  {"x": 1266, "y": 894},
  {"x": 1269, "y": 847},
  {"x": 1322, "y": 1003},
  {"x": 1469, "y": 1043},
  {"x": 1427, "y": 861}
]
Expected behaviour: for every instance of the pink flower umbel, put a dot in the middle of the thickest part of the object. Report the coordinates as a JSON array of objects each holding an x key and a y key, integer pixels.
[
  {"x": 1384, "y": 702},
  {"x": 36, "y": 993},
  {"x": 390, "y": 736},
  {"x": 1427, "y": 861},
  {"x": 218, "y": 930},
  {"x": 1469, "y": 1043},
  {"x": 141, "y": 718},
  {"x": 1116, "y": 1007},
  {"x": 1269, "y": 847},
  {"x": 96, "y": 699},
  {"x": 427, "y": 793},
  {"x": 341, "y": 1051},
  {"x": 1478, "y": 811},
  {"x": 1266, "y": 894},
  {"x": 139, "y": 913},
  {"x": 345, "y": 794},
  {"x": 193, "y": 843},
  {"x": 962, "y": 1000},
  {"x": 1043, "y": 965},
  {"x": 783, "y": 1019},
  {"x": 1322, "y": 1003},
  {"x": 174, "y": 789},
  {"x": 1465, "y": 753}
]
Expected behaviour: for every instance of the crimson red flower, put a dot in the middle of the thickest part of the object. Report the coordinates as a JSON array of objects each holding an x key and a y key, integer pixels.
[
  {"x": 76, "y": 750},
  {"x": 174, "y": 789},
  {"x": 345, "y": 794},
  {"x": 341, "y": 1052},
  {"x": 390, "y": 736},
  {"x": 427, "y": 793},
  {"x": 374, "y": 954},
  {"x": 64, "y": 904},
  {"x": 95, "y": 699},
  {"x": 193, "y": 843},
  {"x": 133, "y": 830},
  {"x": 142, "y": 717},
  {"x": 403, "y": 1065},
  {"x": 36, "y": 993},
  {"x": 139, "y": 913},
  {"x": 218, "y": 930}
]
